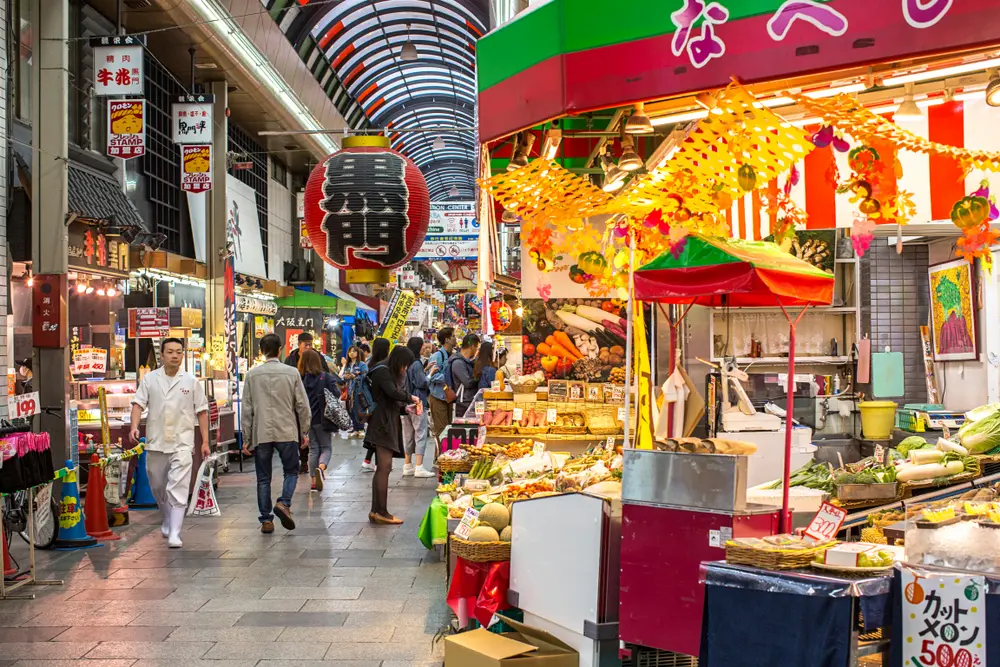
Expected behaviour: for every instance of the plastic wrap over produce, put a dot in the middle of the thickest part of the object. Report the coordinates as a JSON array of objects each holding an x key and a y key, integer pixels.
[{"x": 795, "y": 583}]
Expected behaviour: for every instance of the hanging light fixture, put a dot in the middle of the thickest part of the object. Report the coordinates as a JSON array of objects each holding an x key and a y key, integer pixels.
[
  {"x": 81, "y": 288},
  {"x": 508, "y": 216},
  {"x": 630, "y": 160},
  {"x": 88, "y": 290},
  {"x": 908, "y": 109},
  {"x": 993, "y": 89},
  {"x": 614, "y": 178},
  {"x": 522, "y": 151},
  {"x": 408, "y": 53},
  {"x": 111, "y": 291},
  {"x": 439, "y": 144},
  {"x": 638, "y": 122}
]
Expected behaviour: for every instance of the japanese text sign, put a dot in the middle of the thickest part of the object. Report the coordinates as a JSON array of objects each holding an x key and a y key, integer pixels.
[
  {"x": 825, "y": 525},
  {"x": 399, "y": 309},
  {"x": 25, "y": 405},
  {"x": 196, "y": 168},
  {"x": 464, "y": 529},
  {"x": 49, "y": 312},
  {"x": 944, "y": 619},
  {"x": 118, "y": 67},
  {"x": 148, "y": 322},
  {"x": 126, "y": 128},
  {"x": 192, "y": 119}
]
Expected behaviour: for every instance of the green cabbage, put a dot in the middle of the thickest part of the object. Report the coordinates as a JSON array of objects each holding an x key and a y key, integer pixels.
[
  {"x": 976, "y": 414},
  {"x": 909, "y": 444},
  {"x": 982, "y": 435}
]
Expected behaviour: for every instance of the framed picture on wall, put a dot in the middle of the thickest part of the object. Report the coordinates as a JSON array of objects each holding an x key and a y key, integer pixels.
[{"x": 953, "y": 313}]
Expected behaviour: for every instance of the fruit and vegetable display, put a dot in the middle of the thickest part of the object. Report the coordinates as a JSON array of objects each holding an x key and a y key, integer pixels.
[
  {"x": 980, "y": 434},
  {"x": 581, "y": 339},
  {"x": 706, "y": 446}
]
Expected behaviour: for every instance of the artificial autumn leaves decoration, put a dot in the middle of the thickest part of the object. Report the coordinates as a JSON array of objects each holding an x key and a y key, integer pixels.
[
  {"x": 746, "y": 177},
  {"x": 875, "y": 197},
  {"x": 973, "y": 215}
]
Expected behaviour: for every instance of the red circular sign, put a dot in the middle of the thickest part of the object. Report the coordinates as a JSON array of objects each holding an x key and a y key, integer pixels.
[{"x": 366, "y": 208}]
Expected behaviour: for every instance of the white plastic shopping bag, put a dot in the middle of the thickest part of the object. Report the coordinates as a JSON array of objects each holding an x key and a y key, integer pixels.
[{"x": 203, "y": 501}]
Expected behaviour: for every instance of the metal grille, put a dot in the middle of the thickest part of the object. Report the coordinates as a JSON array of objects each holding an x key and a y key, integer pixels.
[
  {"x": 651, "y": 657},
  {"x": 160, "y": 164},
  {"x": 242, "y": 143}
]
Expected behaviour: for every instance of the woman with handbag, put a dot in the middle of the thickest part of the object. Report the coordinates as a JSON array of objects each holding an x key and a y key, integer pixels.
[{"x": 317, "y": 383}]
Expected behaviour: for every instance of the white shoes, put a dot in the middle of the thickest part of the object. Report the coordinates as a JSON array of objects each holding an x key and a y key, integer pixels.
[
  {"x": 367, "y": 467},
  {"x": 422, "y": 472},
  {"x": 407, "y": 469},
  {"x": 176, "y": 521},
  {"x": 165, "y": 526}
]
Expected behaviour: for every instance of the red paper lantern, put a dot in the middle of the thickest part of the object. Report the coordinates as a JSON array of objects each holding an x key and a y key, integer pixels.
[
  {"x": 366, "y": 206},
  {"x": 501, "y": 315}
]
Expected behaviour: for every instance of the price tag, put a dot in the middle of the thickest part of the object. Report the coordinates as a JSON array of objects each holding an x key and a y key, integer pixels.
[
  {"x": 538, "y": 449},
  {"x": 945, "y": 431},
  {"x": 576, "y": 392},
  {"x": 480, "y": 408},
  {"x": 550, "y": 415},
  {"x": 22, "y": 406},
  {"x": 468, "y": 522},
  {"x": 481, "y": 436},
  {"x": 880, "y": 454},
  {"x": 610, "y": 444},
  {"x": 495, "y": 386},
  {"x": 826, "y": 524},
  {"x": 618, "y": 394},
  {"x": 518, "y": 414},
  {"x": 621, "y": 414}
]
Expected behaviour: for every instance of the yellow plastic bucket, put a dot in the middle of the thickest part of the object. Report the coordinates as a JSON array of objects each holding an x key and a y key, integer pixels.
[{"x": 877, "y": 419}]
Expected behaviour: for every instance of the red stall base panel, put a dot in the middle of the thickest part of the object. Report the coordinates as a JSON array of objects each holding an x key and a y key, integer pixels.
[{"x": 662, "y": 550}]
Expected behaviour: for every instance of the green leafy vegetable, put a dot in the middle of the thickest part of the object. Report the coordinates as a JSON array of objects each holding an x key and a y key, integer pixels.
[
  {"x": 982, "y": 435},
  {"x": 911, "y": 443}
]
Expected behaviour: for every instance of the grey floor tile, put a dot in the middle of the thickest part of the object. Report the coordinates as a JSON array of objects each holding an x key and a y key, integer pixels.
[
  {"x": 319, "y": 663},
  {"x": 177, "y": 651},
  {"x": 313, "y": 593},
  {"x": 46, "y": 650},
  {"x": 354, "y": 605},
  {"x": 374, "y": 634},
  {"x": 8, "y": 635},
  {"x": 317, "y": 619},
  {"x": 342, "y": 553},
  {"x": 243, "y": 605},
  {"x": 189, "y": 634},
  {"x": 123, "y": 594},
  {"x": 128, "y": 662},
  {"x": 214, "y": 619},
  {"x": 167, "y": 662},
  {"x": 69, "y": 618},
  {"x": 347, "y": 651},
  {"x": 101, "y": 633},
  {"x": 273, "y": 650}
]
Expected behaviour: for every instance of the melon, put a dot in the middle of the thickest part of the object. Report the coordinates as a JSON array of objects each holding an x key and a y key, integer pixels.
[
  {"x": 494, "y": 515},
  {"x": 483, "y": 534},
  {"x": 505, "y": 535}
]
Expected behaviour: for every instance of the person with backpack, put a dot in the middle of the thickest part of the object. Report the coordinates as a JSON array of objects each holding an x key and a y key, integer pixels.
[
  {"x": 438, "y": 400},
  {"x": 460, "y": 373},
  {"x": 317, "y": 383},
  {"x": 364, "y": 398},
  {"x": 415, "y": 445}
]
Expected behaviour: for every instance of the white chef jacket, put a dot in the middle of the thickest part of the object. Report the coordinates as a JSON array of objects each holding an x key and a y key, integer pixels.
[{"x": 171, "y": 404}]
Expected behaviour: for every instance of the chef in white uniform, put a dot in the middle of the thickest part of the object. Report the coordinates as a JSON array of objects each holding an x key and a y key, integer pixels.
[{"x": 172, "y": 399}]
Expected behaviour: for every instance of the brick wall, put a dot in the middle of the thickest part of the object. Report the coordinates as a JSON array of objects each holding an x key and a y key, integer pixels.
[{"x": 894, "y": 305}]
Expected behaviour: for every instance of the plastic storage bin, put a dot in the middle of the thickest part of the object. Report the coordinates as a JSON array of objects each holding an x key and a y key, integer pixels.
[{"x": 877, "y": 419}]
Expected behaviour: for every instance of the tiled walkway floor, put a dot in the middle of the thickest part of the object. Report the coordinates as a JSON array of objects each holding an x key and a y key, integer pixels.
[{"x": 336, "y": 591}]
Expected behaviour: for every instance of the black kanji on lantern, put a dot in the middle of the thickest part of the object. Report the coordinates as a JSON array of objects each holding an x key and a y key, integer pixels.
[{"x": 365, "y": 203}]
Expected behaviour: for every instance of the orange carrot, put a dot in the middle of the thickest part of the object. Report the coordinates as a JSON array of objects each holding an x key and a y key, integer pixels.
[
  {"x": 544, "y": 349},
  {"x": 560, "y": 351},
  {"x": 551, "y": 340},
  {"x": 567, "y": 343}
]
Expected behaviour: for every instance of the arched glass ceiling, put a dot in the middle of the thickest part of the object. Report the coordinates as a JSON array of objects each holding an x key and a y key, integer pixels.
[{"x": 361, "y": 40}]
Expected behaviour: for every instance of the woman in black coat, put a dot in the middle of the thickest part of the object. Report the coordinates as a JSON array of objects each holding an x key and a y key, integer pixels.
[{"x": 385, "y": 429}]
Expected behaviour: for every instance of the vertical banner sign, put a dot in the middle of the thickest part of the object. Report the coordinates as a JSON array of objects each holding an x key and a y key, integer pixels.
[
  {"x": 944, "y": 619},
  {"x": 395, "y": 319},
  {"x": 117, "y": 66},
  {"x": 126, "y": 128},
  {"x": 229, "y": 297},
  {"x": 192, "y": 119},
  {"x": 196, "y": 167}
]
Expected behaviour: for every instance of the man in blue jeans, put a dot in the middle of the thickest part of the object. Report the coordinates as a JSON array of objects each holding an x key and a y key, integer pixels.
[{"x": 276, "y": 417}]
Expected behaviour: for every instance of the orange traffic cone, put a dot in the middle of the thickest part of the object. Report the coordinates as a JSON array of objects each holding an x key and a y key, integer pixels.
[
  {"x": 8, "y": 565},
  {"x": 95, "y": 511}
]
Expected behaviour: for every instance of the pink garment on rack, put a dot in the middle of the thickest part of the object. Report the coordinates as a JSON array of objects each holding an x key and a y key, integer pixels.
[{"x": 864, "y": 361}]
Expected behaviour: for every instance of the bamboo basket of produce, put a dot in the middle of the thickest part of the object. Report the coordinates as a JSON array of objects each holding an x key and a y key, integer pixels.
[
  {"x": 571, "y": 423},
  {"x": 454, "y": 465},
  {"x": 932, "y": 467},
  {"x": 533, "y": 420},
  {"x": 603, "y": 420},
  {"x": 794, "y": 554},
  {"x": 480, "y": 552}
]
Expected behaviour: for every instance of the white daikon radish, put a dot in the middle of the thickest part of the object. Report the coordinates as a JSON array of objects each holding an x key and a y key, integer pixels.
[
  {"x": 921, "y": 456},
  {"x": 913, "y": 473},
  {"x": 574, "y": 320},
  {"x": 598, "y": 315},
  {"x": 949, "y": 446}
]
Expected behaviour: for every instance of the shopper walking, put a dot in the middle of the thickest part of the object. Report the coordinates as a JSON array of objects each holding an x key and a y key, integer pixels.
[
  {"x": 441, "y": 408},
  {"x": 415, "y": 437},
  {"x": 172, "y": 399},
  {"x": 306, "y": 341},
  {"x": 317, "y": 383},
  {"x": 276, "y": 417},
  {"x": 355, "y": 369},
  {"x": 459, "y": 373},
  {"x": 484, "y": 370},
  {"x": 380, "y": 352},
  {"x": 385, "y": 434}
]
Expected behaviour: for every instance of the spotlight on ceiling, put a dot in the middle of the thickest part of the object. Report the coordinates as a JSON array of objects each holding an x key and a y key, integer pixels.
[
  {"x": 638, "y": 122},
  {"x": 630, "y": 160},
  {"x": 908, "y": 109},
  {"x": 408, "y": 53},
  {"x": 614, "y": 178},
  {"x": 993, "y": 90}
]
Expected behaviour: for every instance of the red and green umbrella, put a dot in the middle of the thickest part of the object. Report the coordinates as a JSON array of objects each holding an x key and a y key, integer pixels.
[{"x": 732, "y": 272}]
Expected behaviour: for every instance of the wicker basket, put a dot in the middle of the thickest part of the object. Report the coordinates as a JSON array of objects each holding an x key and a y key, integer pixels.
[
  {"x": 966, "y": 476},
  {"x": 498, "y": 395},
  {"x": 480, "y": 552},
  {"x": 532, "y": 430},
  {"x": 769, "y": 559},
  {"x": 608, "y": 415},
  {"x": 451, "y": 465},
  {"x": 525, "y": 387},
  {"x": 501, "y": 430},
  {"x": 568, "y": 430}
]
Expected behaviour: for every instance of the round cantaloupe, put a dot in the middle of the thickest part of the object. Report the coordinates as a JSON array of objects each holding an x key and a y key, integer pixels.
[
  {"x": 505, "y": 534},
  {"x": 484, "y": 534},
  {"x": 495, "y": 515}
]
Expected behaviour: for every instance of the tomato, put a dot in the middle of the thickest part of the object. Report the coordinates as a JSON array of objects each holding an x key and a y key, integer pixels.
[{"x": 529, "y": 350}]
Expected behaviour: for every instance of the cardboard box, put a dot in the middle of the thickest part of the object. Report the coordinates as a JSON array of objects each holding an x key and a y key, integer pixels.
[{"x": 526, "y": 646}]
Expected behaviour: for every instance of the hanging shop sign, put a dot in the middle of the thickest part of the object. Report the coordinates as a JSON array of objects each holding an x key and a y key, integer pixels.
[
  {"x": 453, "y": 218},
  {"x": 255, "y": 306},
  {"x": 192, "y": 119},
  {"x": 118, "y": 66},
  {"x": 148, "y": 322},
  {"x": 449, "y": 247},
  {"x": 196, "y": 167},
  {"x": 399, "y": 309},
  {"x": 89, "y": 249},
  {"x": 49, "y": 321},
  {"x": 126, "y": 128},
  {"x": 366, "y": 209},
  {"x": 262, "y": 326},
  {"x": 89, "y": 361},
  {"x": 944, "y": 618}
]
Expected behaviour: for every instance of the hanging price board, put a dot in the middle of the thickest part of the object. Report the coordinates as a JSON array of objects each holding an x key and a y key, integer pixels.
[
  {"x": 25, "y": 405},
  {"x": 826, "y": 524}
]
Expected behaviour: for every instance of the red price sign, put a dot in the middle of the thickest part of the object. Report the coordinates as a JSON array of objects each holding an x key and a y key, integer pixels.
[
  {"x": 826, "y": 524},
  {"x": 25, "y": 405}
]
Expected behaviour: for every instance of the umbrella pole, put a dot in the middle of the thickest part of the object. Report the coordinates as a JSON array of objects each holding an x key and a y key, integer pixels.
[
  {"x": 785, "y": 523},
  {"x": 673, "y": 351}
]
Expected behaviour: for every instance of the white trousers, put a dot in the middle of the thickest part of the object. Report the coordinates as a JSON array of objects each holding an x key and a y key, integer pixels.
[{"x": 170, "y": 477}]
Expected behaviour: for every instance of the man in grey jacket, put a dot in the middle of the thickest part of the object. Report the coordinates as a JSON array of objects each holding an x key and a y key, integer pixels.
[{"x": 276, "y": 416}]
